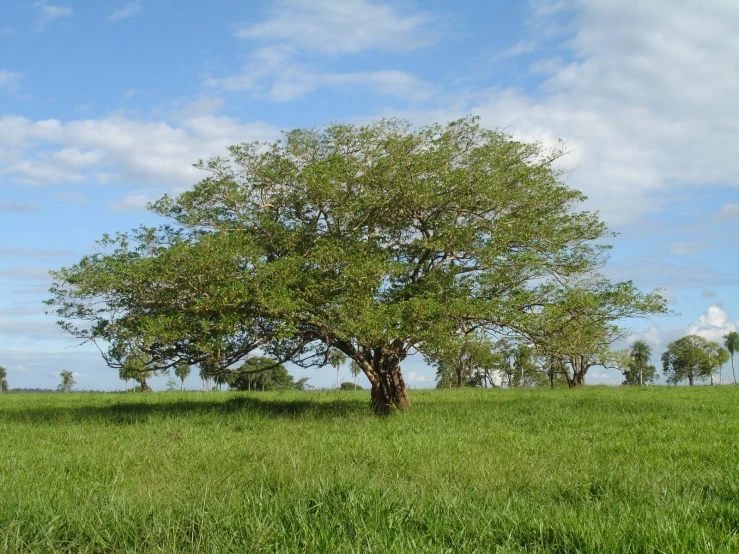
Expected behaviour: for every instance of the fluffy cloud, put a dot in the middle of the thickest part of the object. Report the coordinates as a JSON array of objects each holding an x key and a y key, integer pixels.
[
  {"x": 349, "y": 26},
  {"x": 643, "y": 95},
  {"x": 712, "y": 325},
  {"x": 118, "y": 149},
  {"x": 295, "y": 28},
  {"x": 273, "y": 73}
]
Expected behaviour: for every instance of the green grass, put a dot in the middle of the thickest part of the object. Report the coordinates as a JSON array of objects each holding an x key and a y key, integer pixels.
[{"x": 593, "y": 470}]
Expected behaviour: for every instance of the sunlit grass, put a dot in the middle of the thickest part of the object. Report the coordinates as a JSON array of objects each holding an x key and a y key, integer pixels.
[{"x": 593, "y": 470}]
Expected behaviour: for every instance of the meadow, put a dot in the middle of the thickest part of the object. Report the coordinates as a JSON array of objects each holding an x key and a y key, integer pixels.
[{"x": 591, "y": 470}]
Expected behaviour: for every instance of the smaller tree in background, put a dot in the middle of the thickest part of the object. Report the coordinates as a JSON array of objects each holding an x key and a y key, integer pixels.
[
  {"x": 731, "y": 342},
  {"x": 182, "y": 371},
  {"x": 261, "y": 373},
  {"x": 136, "y": 364},
  {"x": 637, "y": 370},
  {"x": 3, "y": 380},
  {"x": 223, "y": 379},
  {"x": 336, "y": 358},
  {"x": 208, "y": 370},
  {"x": 692, "y": 358},
  {"x": 67, "y": 380}
]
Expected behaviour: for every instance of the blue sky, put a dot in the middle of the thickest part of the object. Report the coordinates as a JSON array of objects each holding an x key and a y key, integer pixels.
[{"x": 104, "y": 106}]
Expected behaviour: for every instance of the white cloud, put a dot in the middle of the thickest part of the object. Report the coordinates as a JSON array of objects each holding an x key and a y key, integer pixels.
[
  {"x": 119, "y": 149},
  {"x": 129, "y": 10},
  {"x": 713, "y": 325},
  {"x": 348, "y": 26},
  {"x": 273, "y": 73},
  {"x": 521, "y": 47},
  {"x": 644, "y": 97},
  {"x": 48, "y": 13},
  {"x": 133, "y": 203}
]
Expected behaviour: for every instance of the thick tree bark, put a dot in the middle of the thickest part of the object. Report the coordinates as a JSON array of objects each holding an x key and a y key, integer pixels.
[
  {"x": 381, "y": 365},
  {"x": 690, "y": 380},
  {"x": 388, "y": 391},
  {"x": 144, "y": 386}
]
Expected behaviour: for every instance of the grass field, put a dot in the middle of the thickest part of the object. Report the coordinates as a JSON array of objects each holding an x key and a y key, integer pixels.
[{"x": 592, "y": 470}]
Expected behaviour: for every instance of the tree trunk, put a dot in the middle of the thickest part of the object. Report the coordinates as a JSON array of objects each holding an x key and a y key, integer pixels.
[
  {"x": 144, "y": 386},
  {"x": 460, "y": 379},
  {"x": 690, "y": 380},
  {"x": 388, "y": 390},
  {"x": 732, "y": 368}
]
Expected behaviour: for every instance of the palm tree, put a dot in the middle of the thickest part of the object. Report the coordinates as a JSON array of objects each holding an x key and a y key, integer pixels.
[
  {"x": 336, "y": 358},
  {"x": 223, "y": 379},
  {"x": 3, "y": 380},
  {"x": 355, "y": 370},
  {"x": 67, "y": 380},
  {"x": 182, "y": 370},
  {"x": 641, "y": 352},
  {"x": 731, "y": 342}
]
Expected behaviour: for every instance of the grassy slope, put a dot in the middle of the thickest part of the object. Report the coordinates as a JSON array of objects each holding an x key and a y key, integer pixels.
[{"x": 594, "y": 470}]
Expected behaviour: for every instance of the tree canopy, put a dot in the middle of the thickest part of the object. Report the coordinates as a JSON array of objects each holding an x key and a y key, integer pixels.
[
  {"x": 376, "y": 241},
  {"x": 692, "y": 358}
]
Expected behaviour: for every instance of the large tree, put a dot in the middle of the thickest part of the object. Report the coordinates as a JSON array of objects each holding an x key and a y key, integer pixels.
[
  {"x": 731, "y": 342},
  {"x": 376, "y": 241},
  {"x": 692, "y": 358}
]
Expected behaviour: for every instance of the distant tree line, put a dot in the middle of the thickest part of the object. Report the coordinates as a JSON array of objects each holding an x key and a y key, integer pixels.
[{"x": 508, "y": 363}]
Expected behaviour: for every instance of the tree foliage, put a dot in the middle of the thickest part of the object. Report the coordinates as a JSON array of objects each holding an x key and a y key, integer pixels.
[
  {"x": 731, "y": 342},
  {"x": 261, "y": 373},
  {"x": 376, "y": 241},
  {"x": 3, "y": 380},
  {"x": 182, "y": 371},
  {"x": 67, "y": 380},
  {"x": 692, "y": 358},
  {"x": 637, "y": 370}
]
